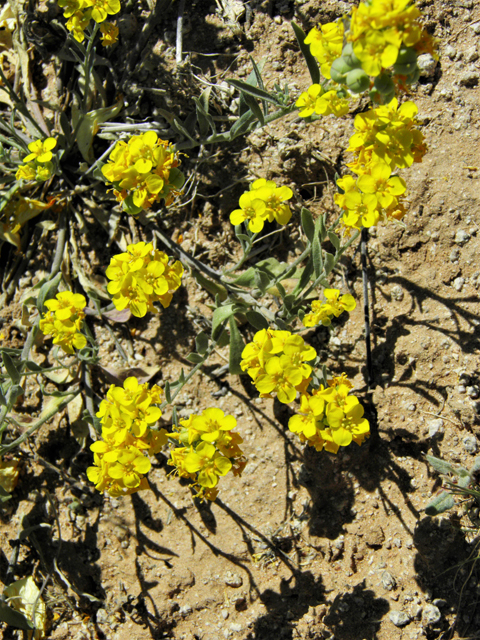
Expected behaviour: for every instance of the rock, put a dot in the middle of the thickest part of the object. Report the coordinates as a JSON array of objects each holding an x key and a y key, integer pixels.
[
  {"x": 450, "y": 52},
  {"x": 476, "y": 28},
  {"x": 462, "y": 236},
  {"x": 375, "y": 538},
  {"x": 469, "y": 79},
  {"x": 471, "y": 54},
  {"x": 431, "y": 615},
  {"x": 233, "y": 580},
  {"x": 454, "y": 254},
  {"x": 388, "y": 581},
  {"x": 458, "y": 283},
  {"x": 470, "y": 444},
  {"x": 435, "y": 427},
  {"x": 225, "y": 614},
  {"x": 399, "y": 618},
  {"x": 236, "y": 627},
  {"x": 185, "y": 610},
  {"x": 426, "y": 63},
  {"x": 397, "y": 293},
  {"x": 101, "y": 617}
]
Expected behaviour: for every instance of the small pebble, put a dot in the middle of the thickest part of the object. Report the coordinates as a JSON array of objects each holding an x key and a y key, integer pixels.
[
  {"x": 476, "y": 28},
  {"x": 440, "y": 602},
  {"x": 471, "y": 54},
  {"x": 462, "y": 236},
  {"x": 185, "y": 610},
  {"x": 469, "y": 79},
  {"x": 461, "y": 388},
  {"x": 388, "y": 581},
  {"x": 278, "y": 19},
  {"x": 225, "y": 614},
  {"x": 397, "y": 293},
  {"x": 470, "y": 444},
  {"x": 431, "y": 615},
  {"x": 435, "y": 427},
  {"x": 454, "y": 254},
  {"x": 450, "y": 51},
  {"x": 458, "y": 283},
  {"x": 236, "y": 626},
  {"x": 426, "y": 63},
  {"x": 399, "y": 618},
  {"x": 233, "y": 580}
]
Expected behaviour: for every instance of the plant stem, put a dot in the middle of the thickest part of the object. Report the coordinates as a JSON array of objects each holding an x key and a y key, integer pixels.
[
  {"x": 87, "y": 67},
  {"x": 363, "y": 248}
]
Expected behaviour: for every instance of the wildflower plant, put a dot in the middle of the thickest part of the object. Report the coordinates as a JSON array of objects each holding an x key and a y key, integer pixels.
[{"x": 261, "y": 308}]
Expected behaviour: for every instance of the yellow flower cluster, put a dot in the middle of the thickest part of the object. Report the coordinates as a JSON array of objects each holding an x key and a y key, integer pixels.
[
  {"x": 265, "y": 201},
  {"x": 127, "y": 416},
  {"x": 326, "y": 44},
  {"x": 330, "y": 418},
  {"x": 64, "y": 320},
  {"x": 38, "y": 163},
  {"x": 334, "y": 305},
  {"x": 386, "y": 138},
  {"x": 142, "y": 276},
  {"x": 317, "y": 100},
  {"x": 143, "y": 171},
  {"x": 209, "y": 449},
  {"x": 277, "y": 363},
  {"x": 9, "y": 473},
  {"x": 380, "y": 28},
  {"x": 80, "y": 12}
]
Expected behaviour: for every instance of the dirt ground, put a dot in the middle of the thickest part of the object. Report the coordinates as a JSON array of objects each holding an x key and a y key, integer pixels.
[{"x": 305, "y": 544}]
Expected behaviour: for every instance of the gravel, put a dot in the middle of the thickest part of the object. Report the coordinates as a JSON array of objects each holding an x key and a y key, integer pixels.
[
  {"x": 462, "y": 236},
  {"x": 435, "y": 428},
  {"x": 470, "y": 444},
  {"x": 431, "y": 615},
  {"x": 399, "y": 618},
  {"x": 469, "y": 79},
  {"x": 388, "y": 581},
  {"x": 426, "y": 63}
]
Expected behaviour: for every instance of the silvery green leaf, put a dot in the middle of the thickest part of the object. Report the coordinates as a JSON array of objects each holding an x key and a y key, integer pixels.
[
  {"x": 195, "y": 358},
  {"x": 308, "y": 225},
  {"x": 329, "y": 262},
  {"x": 441, "y": 503},
  {"x": 442, "y": 466},
  {"x": 257, "y": 320},
  {"x": 256, "y": 92},
  {"x": 201, "y": 342},
  {"x": 334, "y": 239},
  {"x": 236, "y": 348}
]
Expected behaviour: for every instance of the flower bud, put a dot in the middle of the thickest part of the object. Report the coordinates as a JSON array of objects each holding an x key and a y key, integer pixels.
[
  {"x": 358, "y": 81},
  {"x": 349, "y": 56},
  {"x": 339, "y": 70},
  {"x": 384, "y": 83}
]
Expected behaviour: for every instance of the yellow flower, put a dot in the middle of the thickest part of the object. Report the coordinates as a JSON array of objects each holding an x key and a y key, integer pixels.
[
  {"x": 378, "y": 180},
  {"x": 252, "y": 209},
  {"x": 326, "y": 44},
  {"x": 308, "y": 100},
  {"x": 208, "y": 463},
  {"x": 9, "y": 474},
  {"x": 144, "y": 170},
  {"x": 70, "y": 7},
  {"x": 142, "y": 276},
  {"x": 26, "y": 172},
  {"x": 333, "y": 306},
  {"x": 109, "y": 34},
  {"x": 64, "y": 320},
  {"x": 77, "y": 24},
  {"x": 102, "y": 8},
  {"x": 41, "y": 151},
  {"x": 277, "y": 362},
  {"x": 274, "y": 198}
]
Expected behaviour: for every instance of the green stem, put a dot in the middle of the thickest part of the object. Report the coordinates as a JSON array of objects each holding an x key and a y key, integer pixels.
[{"x": 88, "y": 66}]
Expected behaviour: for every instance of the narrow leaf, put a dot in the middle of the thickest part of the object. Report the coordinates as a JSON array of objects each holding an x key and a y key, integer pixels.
[
  {"x": 12, "y": 370},
  {"x": 305, "y": 49},
  {"x": 220, "y": 315},
  {"x": 256, "y": 92},
  {"x": 442, "y": 466},
  {"x": 236, "y": 348},
  {"x": 255, "y": 108},
  {"x": 334, "y": 239},
  {"x": 201, "y": 343},
  {"x": 440, "y": 504},
  {"x": 241, "y": 125},
  {"x": 308, "y": 225},
  {"x": 317, "y": 256},
  {"x": 257, "y": 320},
  {"x": 195, "y": 358},
  {"x": 168, "y": 394},
  {"x": 47, "y": 291},
  {"x": 329, "y": 262},
  {"x": 14, "y": 618}
]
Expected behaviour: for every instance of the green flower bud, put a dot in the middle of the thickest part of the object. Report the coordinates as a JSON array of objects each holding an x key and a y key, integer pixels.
[
  {"x": 358, "y": 81},
  {"x": 339, "y": 70},
  {"x": 349, "y": 56},
  {"x": 404, "y": 69},
  {"x": 406, "y": 55},
  {"x": 384, "y": 83}
]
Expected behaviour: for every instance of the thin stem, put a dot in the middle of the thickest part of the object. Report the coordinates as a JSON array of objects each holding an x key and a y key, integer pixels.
[
  {"x": 363, "y": 247},
  {"x": 179, "y": 44},
  {"x": 87, "y": 67},
  {"x": 60, "y": 248}
]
